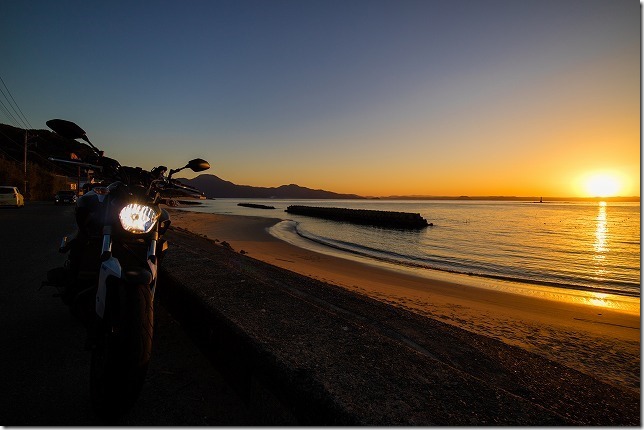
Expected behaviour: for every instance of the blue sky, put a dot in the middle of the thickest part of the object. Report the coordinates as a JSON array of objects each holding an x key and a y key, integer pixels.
[{"x": 367, "y": 96}]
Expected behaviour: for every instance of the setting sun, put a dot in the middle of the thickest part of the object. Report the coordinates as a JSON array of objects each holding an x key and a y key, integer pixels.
[{"x": 602, "y": 185}]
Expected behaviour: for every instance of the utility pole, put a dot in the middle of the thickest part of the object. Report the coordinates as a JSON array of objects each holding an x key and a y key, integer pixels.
[
  {"x": 25, "y": 167},
  {"x": 26, "y": 195}
]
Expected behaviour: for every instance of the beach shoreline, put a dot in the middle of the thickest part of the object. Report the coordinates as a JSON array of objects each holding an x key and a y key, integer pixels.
[{"x": 595, "y": 340}]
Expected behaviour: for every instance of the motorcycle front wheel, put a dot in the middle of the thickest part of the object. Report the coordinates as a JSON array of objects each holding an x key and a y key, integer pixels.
[{"x": 122, "y": 350}]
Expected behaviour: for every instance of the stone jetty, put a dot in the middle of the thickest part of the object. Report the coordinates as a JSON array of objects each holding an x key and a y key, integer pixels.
[
  {"x": 255, "y": 205},
  {"x": 387, "y": 219}
]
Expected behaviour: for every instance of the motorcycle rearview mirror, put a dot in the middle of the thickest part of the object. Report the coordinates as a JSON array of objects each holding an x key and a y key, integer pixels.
[
  {"x": 70, "y": 130},
  {"x": 196, "y": 165},
  {"x": 66, "y": 129}
]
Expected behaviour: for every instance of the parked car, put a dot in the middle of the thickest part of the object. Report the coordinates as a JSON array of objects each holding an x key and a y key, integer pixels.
[
  {"x": 10, "y": 196},
  {"x": 65, "y": 196}
]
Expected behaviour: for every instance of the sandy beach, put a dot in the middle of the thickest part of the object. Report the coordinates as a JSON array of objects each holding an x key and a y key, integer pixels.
[{"x": 596, "y": 340}]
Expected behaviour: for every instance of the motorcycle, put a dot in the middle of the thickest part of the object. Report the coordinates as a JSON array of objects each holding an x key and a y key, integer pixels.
[{"x": 110, "y": 276}]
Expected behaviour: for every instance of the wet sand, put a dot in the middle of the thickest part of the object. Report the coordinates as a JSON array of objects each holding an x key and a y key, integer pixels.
[{"x": 599, "y": 341}]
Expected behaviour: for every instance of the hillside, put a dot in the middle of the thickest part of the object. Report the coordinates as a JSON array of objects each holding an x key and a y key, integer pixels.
[
  {"x": 41, "y": 145},
  {"x": 213, "y": 187},
  {"x": 44, "y": 177}
]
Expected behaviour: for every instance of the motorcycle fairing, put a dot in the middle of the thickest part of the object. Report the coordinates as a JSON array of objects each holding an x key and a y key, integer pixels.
[{"x": 109, "y": 267}]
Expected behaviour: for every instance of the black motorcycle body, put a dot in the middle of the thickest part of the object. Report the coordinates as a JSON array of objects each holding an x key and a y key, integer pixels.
[{"x": 110, "y": 276}]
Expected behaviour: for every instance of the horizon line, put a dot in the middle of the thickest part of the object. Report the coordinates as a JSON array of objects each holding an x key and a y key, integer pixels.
[{"x": 502, "y": 197}]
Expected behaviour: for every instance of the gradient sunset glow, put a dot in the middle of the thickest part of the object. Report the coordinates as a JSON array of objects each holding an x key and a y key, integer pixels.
[{"x": 372, "y": 97}]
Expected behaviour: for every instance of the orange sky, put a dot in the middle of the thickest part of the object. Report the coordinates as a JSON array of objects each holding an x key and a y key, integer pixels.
[
  {"x": 539, "y": 140},
  {"x": 373, "y": 97},
  {"x": 537, "y": 126}
]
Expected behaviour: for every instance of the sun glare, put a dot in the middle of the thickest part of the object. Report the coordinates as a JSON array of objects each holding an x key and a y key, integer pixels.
[{"x": 602, "y": 185}]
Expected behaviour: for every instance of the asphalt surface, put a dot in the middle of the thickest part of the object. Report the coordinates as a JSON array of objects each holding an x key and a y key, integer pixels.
[{"x": 43, "y": 365}]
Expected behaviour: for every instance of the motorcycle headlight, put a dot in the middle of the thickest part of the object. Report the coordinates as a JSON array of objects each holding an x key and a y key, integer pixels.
[{"x": 137, "y": 218}]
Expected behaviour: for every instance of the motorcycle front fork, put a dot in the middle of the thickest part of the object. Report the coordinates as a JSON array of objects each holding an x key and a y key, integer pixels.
[{"x": 110, "y": 266}]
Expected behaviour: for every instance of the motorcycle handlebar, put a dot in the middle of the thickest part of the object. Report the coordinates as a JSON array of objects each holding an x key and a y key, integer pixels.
[{"x": 155, "y": 180}]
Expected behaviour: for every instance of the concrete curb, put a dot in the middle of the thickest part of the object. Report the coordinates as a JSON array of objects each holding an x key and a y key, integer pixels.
[{"x": 276, "y": 394}]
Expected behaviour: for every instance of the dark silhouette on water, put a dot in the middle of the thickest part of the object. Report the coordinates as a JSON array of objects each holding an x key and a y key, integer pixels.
[
  {"x": 256, "y": 206},
  {"x": 387, "y": 219}
]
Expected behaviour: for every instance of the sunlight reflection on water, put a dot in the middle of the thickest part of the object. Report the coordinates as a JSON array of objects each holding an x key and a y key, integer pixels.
[
  {"x": 609, "y": 301},
  {"x": 601, "y": 231},
  {"x": 601, "y": 245}
]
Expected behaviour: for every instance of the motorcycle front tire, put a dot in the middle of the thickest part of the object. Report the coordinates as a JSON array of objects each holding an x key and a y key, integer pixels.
[{"x": 122, "y": 351}]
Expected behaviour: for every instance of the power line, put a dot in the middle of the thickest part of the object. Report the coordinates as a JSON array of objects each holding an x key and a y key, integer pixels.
[
  {"x": 23, "y": 118},
  {"x": 23, "y": 124},
  {"x": 45, "y": 161},
  {"x": 9, "y": 116}
]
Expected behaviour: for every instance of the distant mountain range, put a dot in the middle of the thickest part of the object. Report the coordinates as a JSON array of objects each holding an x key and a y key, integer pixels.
[{"x": 213, "y": 187}]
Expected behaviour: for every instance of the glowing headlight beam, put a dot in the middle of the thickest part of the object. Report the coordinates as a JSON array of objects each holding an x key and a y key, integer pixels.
[{"x": 137, "y": 218}]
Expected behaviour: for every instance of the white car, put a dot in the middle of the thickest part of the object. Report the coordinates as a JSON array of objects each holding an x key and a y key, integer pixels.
[{"x": 10, "y": 196}]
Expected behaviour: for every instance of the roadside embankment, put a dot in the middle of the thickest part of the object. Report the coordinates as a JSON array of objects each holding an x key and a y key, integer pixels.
[{"x": 302, "y": 351}]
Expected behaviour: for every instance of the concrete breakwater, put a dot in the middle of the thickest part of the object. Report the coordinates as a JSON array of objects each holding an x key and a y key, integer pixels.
[
  {"x": 255, "y": 206},
  {"x": 388, "y": 219}
]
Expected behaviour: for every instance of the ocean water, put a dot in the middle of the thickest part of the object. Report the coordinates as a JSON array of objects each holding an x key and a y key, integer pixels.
[{"x": 582, "y": 246}]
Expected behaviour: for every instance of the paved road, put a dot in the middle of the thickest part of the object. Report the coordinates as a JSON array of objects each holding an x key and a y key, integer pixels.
[{"x": 44, "y": 370}]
